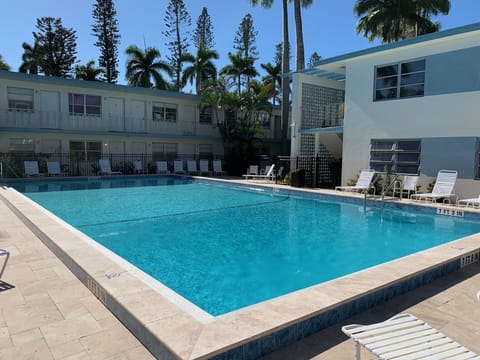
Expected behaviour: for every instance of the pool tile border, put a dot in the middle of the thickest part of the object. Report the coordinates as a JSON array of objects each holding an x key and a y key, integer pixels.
[{"x": 261, "y": 332}]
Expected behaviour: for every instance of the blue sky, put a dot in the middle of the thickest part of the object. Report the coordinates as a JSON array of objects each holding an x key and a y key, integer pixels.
[{"x": 329, "y": 26}]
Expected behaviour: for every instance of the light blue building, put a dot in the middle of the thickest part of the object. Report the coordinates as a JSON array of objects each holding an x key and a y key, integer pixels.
[{"x": 412, "y": 105}]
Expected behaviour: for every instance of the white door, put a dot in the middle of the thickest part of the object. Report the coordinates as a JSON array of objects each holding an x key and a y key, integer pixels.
[
  {"x": 116, "y": 114},
  {"x": 189, "y": 120},
  {"x": 51, "y": 146},
  {"x": 189, "y": 150},
  {"x": 138, "y": 147},
  {"x": 49, "y": 109},
  {"x": 138, "y": 115},
  {"x": 116, "y": 147}
]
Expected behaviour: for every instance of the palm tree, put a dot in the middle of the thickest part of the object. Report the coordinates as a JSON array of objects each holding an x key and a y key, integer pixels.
[
  {"x": 393, "y": 20},
  {"x": 3, "y": 64},
  {"x": 88, "y": 71},
  {"x": 142, "y": 66},
  {"x": 273, "y": 77},
  {"x": 300, "y": 49},
  {"x": 239, "y": 67},
  {"x": 202, "y": 67},
  {"x": 30, "y": 56},
  {"x": 285, "y": 68}
]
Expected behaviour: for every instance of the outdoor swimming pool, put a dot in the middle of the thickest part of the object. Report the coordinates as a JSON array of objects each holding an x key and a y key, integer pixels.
[{"x": 224, "y": 248}]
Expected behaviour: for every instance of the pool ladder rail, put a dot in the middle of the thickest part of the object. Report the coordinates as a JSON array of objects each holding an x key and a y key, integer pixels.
[{"x": 387, "y": 188}]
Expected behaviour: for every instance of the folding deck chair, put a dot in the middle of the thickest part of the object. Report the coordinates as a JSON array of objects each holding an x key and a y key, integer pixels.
[
  {"x": 405, "y": 336},
  {"x": 364, "y": 182},
  {"x": 5, "y": 253},
  {"x": 443, "y": 188}
]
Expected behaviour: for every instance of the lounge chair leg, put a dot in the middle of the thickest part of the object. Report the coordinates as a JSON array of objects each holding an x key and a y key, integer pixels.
[
  {"x": 7, "y": 255},
  {"x": 357, "y": 350}
]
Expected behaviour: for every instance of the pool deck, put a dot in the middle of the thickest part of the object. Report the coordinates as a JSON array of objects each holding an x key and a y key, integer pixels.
[{"x": 51, "y": 312}]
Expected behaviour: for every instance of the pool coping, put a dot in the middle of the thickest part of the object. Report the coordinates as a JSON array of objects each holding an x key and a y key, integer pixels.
[{"x": 171, "y": 330}]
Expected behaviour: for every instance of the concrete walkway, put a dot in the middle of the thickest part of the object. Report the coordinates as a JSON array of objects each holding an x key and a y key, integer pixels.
[{"x": 47, "y": 313}]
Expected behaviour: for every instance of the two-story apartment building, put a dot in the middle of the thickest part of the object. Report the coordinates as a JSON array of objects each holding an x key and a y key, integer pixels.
[
  {"x": 40, "y": 114},
  {"x": 412, "y": 106}
]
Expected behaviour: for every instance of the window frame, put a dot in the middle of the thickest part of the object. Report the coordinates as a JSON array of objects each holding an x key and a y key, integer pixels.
[
  {"x": 79, "y": 105},
  {"x": 20, "y": 96},
  {"x": 398, "y": 154},
  {"x": 87, "y": 149},
  {"x": 398, "y": 74},
  {"x": 164, "y": 112},
  {"x": 206, "y": 115},
  {"x": 21, "y": 145}
]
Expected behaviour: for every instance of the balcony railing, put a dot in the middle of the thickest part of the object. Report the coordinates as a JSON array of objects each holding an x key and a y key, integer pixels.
[{"x": 107, "y": 123}]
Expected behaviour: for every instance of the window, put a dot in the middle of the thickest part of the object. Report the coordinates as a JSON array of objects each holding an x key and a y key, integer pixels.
[
  {"x": 164, "y": 151},
  {"x": 22, "y": 145},
  {"x": 80, "y": 104},
  {"x": 20, "y": 99},
  {"x": 86, "y": 150},
  {"x": 402, "y": 80},
  {"x": 164, "y": 112},
  {"x": 206, "y": 115},
  {"x": 401, "y": 156}
]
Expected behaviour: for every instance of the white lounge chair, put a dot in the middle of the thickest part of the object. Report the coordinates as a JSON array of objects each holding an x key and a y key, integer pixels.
[
  {"x": 162, "y": 167},
  {"x": 405, "y": 335},
  {"x": 138, "y": 167},
  {"x": 217, "y": 168},
  {"x": 204, "y": 168},
  {"x": 364, "y": 182},
  {"x": 105, "y": 168},
  {"x": 270, "y": 175},
  {"x": 31, "y": 168},
  {"x": 53, "y": 168},
  {"x": 192, "y": 168},
  {"x": 251, "y": 171},
  {"x": 5, "y": 253},
  {"x": 408, "y": 185},
  {"x": 473, "y": 202},
  {"x": 178, "y": 167},
  {"x": 443, "y": 188}
]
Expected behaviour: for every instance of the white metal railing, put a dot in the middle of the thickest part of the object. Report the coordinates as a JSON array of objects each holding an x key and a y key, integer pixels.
[{"x": 106, "y": 122}]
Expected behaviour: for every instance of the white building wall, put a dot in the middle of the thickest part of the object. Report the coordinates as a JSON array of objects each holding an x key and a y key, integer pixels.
[{"x": 428, "y": 116}]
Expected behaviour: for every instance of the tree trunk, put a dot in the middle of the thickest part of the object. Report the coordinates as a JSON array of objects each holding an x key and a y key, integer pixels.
[
  {"x": 285, "y": 105},
  {"x": 300, "y": 51}
]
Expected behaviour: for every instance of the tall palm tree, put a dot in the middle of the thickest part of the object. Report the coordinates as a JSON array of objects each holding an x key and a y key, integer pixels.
[
  {"x": 201, "y": 69},
  {"x": 88, "y": 71},
  {"x": 239, "y": 67},
  {"x": 274, "y": 77},
  {"x": 393, "y": 20},
  {"x": 300, "y": 47},
  {"x": 30, "y": 57},
  {"x": 143, "y": 66},
  {"x": 285, "y": 68}
]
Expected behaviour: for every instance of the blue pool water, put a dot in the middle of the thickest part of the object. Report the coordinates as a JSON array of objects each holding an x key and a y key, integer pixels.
[{"x": 224, "y": 248}]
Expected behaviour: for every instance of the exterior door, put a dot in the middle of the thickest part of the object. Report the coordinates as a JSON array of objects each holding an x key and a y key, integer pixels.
[
  {"x": 49, "y": 109},
  {"x": 138, "y": 115},
  {"x": 116, "y": 114}
]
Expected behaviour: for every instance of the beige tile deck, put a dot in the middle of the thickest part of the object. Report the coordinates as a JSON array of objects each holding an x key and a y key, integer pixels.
[{"x": 50, "y": 314}]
